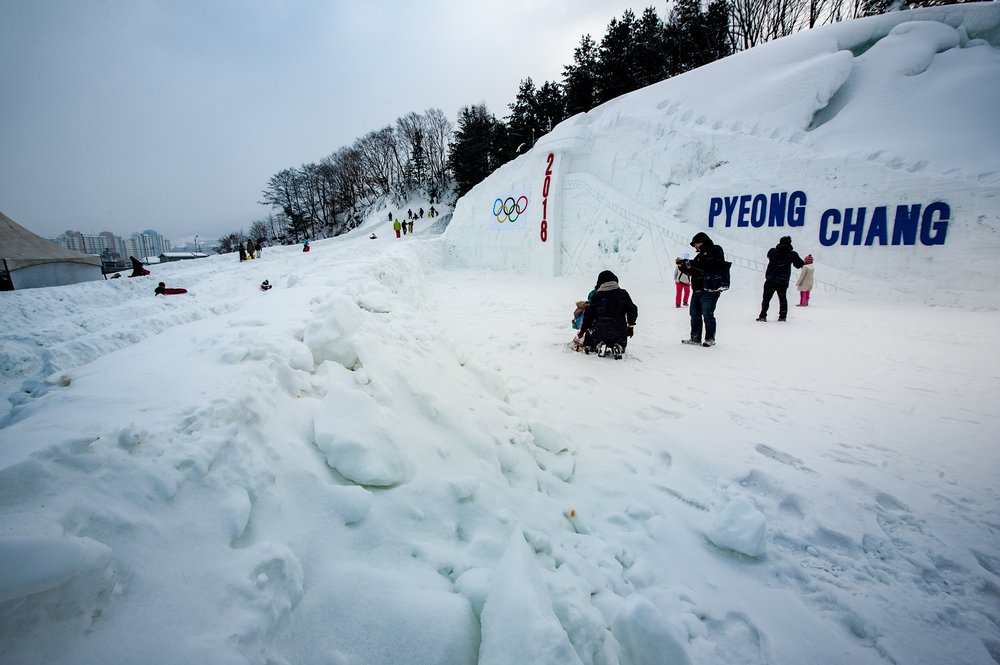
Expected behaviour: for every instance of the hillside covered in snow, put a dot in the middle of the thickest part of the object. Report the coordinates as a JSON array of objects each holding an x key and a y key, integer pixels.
[{"x": 872, "y": 143}]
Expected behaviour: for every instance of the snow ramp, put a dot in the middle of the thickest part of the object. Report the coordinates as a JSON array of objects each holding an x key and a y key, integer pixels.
[{"x": 872, "y": 143}]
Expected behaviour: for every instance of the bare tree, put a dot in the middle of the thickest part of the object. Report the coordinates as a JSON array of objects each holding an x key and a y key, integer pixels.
[
  {"x": 410, "y": 155},
  {"x": 438, "y": 133},
  {"x": 748, "y": 23},
  {"x": 377, "y": 152},
  {"x": 258, "y": 230}
]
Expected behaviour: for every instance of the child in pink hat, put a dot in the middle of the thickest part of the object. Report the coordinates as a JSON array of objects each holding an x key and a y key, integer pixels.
[{"x": 805, "y": 281}]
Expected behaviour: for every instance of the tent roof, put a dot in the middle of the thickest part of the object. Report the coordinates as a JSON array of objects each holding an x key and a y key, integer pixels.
[{"x": 21, "y": 248}]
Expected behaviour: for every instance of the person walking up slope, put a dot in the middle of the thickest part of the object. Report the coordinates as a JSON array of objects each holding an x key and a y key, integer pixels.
[
  {"x": 780, "y": 260},
  {"x": 709, "y": 272},
  {"x": 805, "y": 281}
]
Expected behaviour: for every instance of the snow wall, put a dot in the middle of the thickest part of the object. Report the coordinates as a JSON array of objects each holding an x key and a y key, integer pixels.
[{"x": 873, "y": 143}]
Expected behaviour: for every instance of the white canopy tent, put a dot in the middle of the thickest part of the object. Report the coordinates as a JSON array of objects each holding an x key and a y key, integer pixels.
[{"x": 31, "y": 261}]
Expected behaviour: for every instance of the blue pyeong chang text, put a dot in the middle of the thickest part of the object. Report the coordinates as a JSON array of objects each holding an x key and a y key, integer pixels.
[{"x": 906, "y": 224}]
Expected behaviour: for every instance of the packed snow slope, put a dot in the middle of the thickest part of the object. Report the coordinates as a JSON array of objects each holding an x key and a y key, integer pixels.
[
  {"x": 874, "y": 144},
  {"x": 393, "y": 456}
]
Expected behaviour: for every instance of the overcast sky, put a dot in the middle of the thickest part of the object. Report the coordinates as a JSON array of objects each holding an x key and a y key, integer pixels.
[{"x": 125, "y": 115}]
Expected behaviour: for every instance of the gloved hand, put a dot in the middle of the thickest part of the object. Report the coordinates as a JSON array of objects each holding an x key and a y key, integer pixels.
[{"x": 631, "y": 330}]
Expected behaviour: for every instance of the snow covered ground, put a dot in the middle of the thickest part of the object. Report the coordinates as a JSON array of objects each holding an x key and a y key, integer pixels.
[{"x": 394, "y": 456}]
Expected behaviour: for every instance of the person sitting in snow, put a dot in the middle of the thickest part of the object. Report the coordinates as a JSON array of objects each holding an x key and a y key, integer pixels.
[
  {"x": 162, "y": 290},
  {"x": 372, "y": 236},
  {"x": 610, "y": 318},
  {"x": 581, "y": 308},
  {"x": 577, "y": 322},
  {"x": 138, "y": 270}
]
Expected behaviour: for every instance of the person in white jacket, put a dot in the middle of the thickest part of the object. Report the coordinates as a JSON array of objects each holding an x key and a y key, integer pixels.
[
  {"x": 805, "y": 281},
  {"x": 683, "y": 284}
]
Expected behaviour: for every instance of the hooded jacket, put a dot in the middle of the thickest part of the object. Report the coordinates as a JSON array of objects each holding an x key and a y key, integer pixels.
[
  {"x": 610, "y": 313},
  {"x": 780, "y": 260},
  {"x": 709, "y": 260}
]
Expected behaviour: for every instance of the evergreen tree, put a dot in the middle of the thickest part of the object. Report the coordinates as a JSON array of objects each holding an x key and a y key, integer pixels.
[
  {"x": 551, "y": 106},
  {"x": 522, "y": 122},
  {"x": 476, "y": 147},
  {"x": 532, "y": 115},
  {"x": 616, "y": 57},
  {"x": 696, "y": 37},
  {"x": 716, "y": 35},
  {"x": 651, "y": 56},
  {"x": 580, "y": 78},
  {"x": 418, "y": 160}
]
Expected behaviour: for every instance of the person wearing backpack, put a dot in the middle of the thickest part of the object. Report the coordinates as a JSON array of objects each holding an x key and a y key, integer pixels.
[
  {"x": 780, "y": 260},
  {"x": 709, "y": 272}
]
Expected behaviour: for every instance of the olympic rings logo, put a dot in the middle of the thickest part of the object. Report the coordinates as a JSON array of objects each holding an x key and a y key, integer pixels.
[{"x": 509, "y": 209}]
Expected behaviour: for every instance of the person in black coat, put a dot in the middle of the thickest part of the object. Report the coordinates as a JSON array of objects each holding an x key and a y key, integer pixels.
[
  {"x": 708, "y": 265},
  {"x": 610, "y": 318},
  {"x": 780, "y": 260},
  {"x": 138, "y": 270}
]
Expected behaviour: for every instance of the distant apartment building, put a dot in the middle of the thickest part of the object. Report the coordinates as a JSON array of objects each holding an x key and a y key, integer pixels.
[
  {"x": 114, "y": 251},
  {"x": 106, "y": 244},
  {"x": 147, "y": 243}
]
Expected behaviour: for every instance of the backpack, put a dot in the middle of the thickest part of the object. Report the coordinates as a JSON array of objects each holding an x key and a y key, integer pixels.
[{"x": 719, "y": 280}]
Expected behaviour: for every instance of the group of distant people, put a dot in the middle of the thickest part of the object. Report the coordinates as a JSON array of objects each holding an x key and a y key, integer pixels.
[
  {"x": 140, "y": 270},
  {"x": 780, "y": 260},
  {"x": 607, "y": 319},
  {"x": 405, "y": 227},
  {"x": 419, "y": 214},
  {"x": 249, "y": 250},
  {"x": 401, "y": 228}
]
